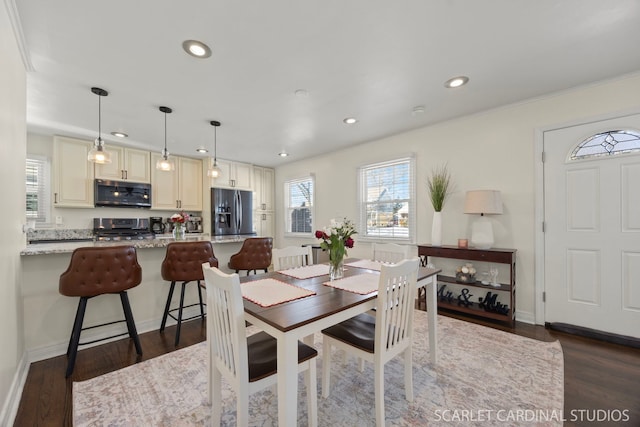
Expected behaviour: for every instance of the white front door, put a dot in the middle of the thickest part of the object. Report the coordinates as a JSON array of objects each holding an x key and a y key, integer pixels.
[{"x": 592, "y": 232}]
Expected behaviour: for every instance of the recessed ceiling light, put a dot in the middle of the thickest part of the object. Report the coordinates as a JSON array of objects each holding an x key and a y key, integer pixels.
[
  {"x": 119, "y": 134},
  {"x": 417, "y": 110},
  {"x": 302, "y": 93},
  {"x": 283, "y": 154},
  {"x": 202, "y": 150},
  {"x": 196, "y": 48},
  {"x": 350, "y": 120},
  {"x": 456, "y": 82}
]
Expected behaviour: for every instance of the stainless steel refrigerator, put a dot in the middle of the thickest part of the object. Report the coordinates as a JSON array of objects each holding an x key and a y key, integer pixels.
[{"x": 231, "y": 212}]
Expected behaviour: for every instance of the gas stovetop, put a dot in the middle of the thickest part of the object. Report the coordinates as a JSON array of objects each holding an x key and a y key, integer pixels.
[{"x": 116, "y": 229}]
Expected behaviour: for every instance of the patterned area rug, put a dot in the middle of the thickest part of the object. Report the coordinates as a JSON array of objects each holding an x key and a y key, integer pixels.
[{"x": 483, "y": 377}]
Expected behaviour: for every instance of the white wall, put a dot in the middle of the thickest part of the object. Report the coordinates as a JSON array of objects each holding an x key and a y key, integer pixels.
[
  {"x": 492, "y": 150},
  {"x": 12, "y": 194}
]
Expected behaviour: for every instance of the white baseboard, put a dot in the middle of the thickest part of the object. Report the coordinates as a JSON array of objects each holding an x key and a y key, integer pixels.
[
  {"x": 525, "y": 317},
  {"x": 12, "y": 403}
]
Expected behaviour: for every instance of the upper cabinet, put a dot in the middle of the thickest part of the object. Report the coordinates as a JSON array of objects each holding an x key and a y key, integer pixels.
[
  {"x": 177, "y": 189},
  {"x": 72, "y": 173},
  {"x": 234, "y": 175},
  {"x": 263, "y": 186},
  {"x": 127, "y": 164}
]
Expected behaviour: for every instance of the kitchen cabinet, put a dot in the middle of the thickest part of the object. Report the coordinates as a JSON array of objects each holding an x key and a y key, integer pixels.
[
  {"x": 263, "y": 201},
  {"x": 234, "y": 175},
  {"x": 263, "y": 188},
  {"x": 127, "y": 164},
  {"x": 177, "y": 189},
  {"x": 488, "y": 308},
  {"x": 263, "y": 224},
  {"x": 72, "y": 173}
]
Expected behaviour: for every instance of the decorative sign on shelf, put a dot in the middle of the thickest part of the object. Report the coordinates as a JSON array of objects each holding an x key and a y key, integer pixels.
[{"x": 490, "y": 303}]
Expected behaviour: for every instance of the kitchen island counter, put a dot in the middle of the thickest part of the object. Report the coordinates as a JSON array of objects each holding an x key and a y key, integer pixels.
[{"x": 161, "y": 241}]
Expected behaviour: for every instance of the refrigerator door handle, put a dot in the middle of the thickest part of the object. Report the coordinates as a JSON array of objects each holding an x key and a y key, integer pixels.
[{"x": 238, "y": 210}]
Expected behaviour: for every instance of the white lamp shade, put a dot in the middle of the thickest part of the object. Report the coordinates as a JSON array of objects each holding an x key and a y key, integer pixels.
[{"x": 483, "y": 202}]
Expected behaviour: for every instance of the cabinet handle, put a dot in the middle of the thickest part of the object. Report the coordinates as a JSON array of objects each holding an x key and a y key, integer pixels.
[
  {"x": 177, "y": 204},
  {"x": 55, "y": 197},
  {"x": 264, "y": 217},
  {"x": 121, "y": 174},
  {"x": 233, "y": 182},
  {"x": 264, "y": 206},
  {"x": 126, "y": 174}
]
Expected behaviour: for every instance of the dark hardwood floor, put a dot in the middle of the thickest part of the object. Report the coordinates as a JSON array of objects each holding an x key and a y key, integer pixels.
[{"x": 601, "y": 379}]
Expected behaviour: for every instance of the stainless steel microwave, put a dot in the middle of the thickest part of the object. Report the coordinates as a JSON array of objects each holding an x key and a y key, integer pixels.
[{"x": 122, "y": 194}]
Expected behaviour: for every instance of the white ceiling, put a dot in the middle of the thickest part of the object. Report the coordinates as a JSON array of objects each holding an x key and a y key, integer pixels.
[{"x": 371, "y": 59}]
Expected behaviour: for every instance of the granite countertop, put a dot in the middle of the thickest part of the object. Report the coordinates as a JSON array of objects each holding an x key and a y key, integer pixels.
[{"x": 160, "y": 241}]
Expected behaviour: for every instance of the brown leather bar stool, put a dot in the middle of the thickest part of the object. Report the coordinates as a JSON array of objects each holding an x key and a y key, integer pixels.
[
  {"x": 255, "y": 254},
  {"x": 97, "y": 271},
  {"x": 183, "y": 263}
]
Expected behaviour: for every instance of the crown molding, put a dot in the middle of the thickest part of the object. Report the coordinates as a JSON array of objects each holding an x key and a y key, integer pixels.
[{"x": 16, "y": 25}]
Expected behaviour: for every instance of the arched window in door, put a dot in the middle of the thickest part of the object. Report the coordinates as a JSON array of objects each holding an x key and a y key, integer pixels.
[{"x": 607, "y": 143}]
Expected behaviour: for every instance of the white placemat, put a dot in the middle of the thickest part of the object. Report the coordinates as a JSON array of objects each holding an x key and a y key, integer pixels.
[
  {"x": 366, "y": 263},
  {"x": 307, "y": 272},
  {"x": 268, "y": 292},
  {"x": 360, "y": 284}
]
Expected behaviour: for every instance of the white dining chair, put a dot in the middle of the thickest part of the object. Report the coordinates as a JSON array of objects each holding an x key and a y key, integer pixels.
[
  {"x": 249, "y": 364},
  {"x": 381, "y": 338},
  {"x": 390, "y": 252},
  {"x": 291, "y": 257}
]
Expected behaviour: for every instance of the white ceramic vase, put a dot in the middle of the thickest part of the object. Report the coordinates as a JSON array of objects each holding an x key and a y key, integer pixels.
[{"x": 436, "y": 229}]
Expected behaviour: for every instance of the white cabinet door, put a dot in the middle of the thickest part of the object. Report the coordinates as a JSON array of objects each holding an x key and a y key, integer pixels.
[
  {"x": 234, "y": 175},
  {"x": 137, "y": 165},
  {"x": 127, "y": 164},
  {"x": 164, "y": 187},
  {"x": 72, "y": 173},
  {"x": 190, "y": 184},
  {"x": 115, "y": 169},
  {"x": 263, "y": 224},
  {"x": 243, "y": 176},
  {"x": 263, "y": 183}
]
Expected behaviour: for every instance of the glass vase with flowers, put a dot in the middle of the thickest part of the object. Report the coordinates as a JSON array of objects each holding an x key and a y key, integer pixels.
[
  {"x": 336, "y": 239},
  {"x": 179, "y": 227}
]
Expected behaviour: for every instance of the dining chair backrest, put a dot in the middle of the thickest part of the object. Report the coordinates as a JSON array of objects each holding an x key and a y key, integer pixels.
[
  {"x": 225, "y": 324},
  {"x": 292, "y": 257},
  {"x": 394, "y": 308},
  {"x": 390, "y": 252}
]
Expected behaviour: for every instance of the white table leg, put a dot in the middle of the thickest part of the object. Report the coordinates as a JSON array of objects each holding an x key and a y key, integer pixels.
[
  {"x": 432, "y": 312},
  {"x": 287, "y": 380}
]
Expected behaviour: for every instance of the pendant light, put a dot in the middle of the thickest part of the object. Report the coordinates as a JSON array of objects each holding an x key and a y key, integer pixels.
[
  {"x": 165, "y": 164},
  {"x": 214, "y": 170},
  {"x": 97, "y": 153}
]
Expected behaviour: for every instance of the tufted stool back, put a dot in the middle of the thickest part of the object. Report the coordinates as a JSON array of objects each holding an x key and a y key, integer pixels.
[
  {"x": 255, "y": 254},
  {"x": 100, "y": 270},
  {"x": 183, "y": 261}
]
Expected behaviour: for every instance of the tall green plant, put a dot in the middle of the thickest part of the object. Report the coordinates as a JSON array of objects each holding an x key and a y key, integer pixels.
[{"x": 440, "y": 186}]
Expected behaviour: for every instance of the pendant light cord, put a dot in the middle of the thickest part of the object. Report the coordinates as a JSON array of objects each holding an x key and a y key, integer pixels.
[
  {"x": 99, "y": 121},
  {"x": 165, "y": 136},
  {"x": 215, "y": 144}
]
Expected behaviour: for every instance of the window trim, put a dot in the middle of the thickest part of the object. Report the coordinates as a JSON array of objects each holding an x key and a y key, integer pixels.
[
  {"x": 362, "y": 211},
  {"x": 287, "y": 209}
]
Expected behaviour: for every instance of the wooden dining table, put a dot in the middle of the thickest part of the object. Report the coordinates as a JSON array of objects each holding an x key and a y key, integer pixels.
[{"x": 299, "y": 319}]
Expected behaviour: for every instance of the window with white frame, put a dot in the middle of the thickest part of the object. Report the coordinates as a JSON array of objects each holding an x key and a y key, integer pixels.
[
  {"x": 298, "y": 196},
  {"x": 387, "y": 200},
  {"x": 38, "y": 189}
]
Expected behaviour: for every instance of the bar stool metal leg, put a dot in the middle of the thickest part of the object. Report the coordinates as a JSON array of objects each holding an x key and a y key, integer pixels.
[
  {"x": 131, "y": 325},
  {"x": 184, "y": 285},
  {"x": 72, "y": 350},
  {"x": 201, "y": 303},
  {"x": 167, "y": 306}
]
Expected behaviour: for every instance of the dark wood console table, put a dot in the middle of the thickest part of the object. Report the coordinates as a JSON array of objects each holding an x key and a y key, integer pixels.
[{"x": 495, "y": 255}]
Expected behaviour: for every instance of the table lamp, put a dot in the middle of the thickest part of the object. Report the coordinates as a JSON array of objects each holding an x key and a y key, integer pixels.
[{"x": 483, "y": 202}]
